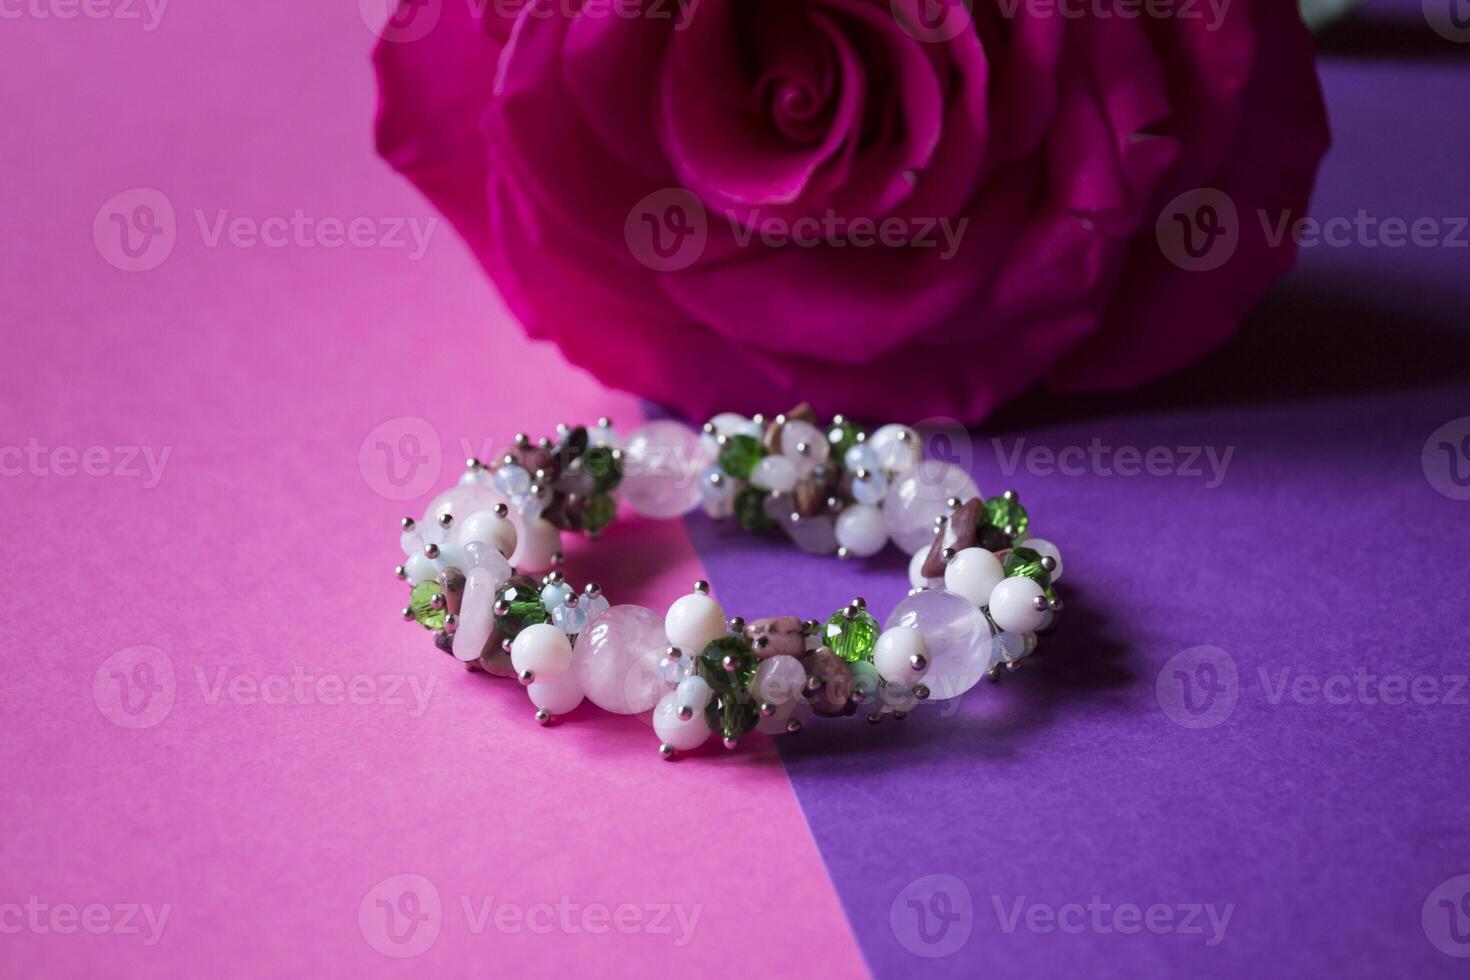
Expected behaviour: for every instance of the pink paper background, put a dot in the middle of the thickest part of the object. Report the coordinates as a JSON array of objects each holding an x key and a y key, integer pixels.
[{"x": 266, "y": 546}]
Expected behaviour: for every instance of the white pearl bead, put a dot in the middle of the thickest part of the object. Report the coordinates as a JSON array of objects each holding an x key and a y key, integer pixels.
[
  {"x": 693, "y": 621},
  {"x": 419, "y": 568},
  {"x": 558, "y": 695},
  {"x": 1013, "y": 605},
  {"x": 974, "y": 573},
  {"x": 538, "y": 542},
  {"x": 862, "y": 530},
  {"x": 779, "y": 680},
  {"x": 675, "y": 731},
  {"x": 897, "y": 447},
  {"x": 1046, "y": 549},
  {"x": 916, "y": 499},
  {"x": 893, "y": 656},
  {"x": 916, "y": 572},
  {"x": 542, "y": 649},
  {"x": 775, "y": 473},
  {"x": 796, "y": 434},
  {"x": 483, "y": 525}
]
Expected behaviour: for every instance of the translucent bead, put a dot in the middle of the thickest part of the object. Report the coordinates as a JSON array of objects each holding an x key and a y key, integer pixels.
[
  {"x": 776, "y": 473},
  {"x": 974, "y": 573},
  {"x": 558, "y": 695},
  {"x": 1010, "y": 647},
  {"x": 675, "y": 731},
  {"x": 482, "y": 554},
  {"x": 451, "y": 555},
  {"x": 595, "y": 605},
  {"x": 870, "y": 489},
  {"x": 603, "y": 435},
  {"x": 894, "y": 655},
  {"x": 617, "y": 659},
  {"x": 693, "y": 693},
  {"x": 570, "y": 618},
  {"x": 475, "y": 617},
  {"x": 484, "y": 526},
  {"x": 862, "y": 530},
  {"x": 779, "y": 680},
  {"x": 411, "y": 543},
  {"x": 860, "y": 457},
  {"x": 531, "y": 505},
  {"x": 536, "y": 543},
  {"x": 717, "y": 493},
  {"x": 661, "y": 465},
  {"x": 865, "y": 684},
  {"x": 419, "y": 569},
  {"x": 512, "y": 480},
  {"x": 693, "y": 621},
  {"x": 916, "y": 572},
  {"x": 727, "y": 424},
  {"x": 957, "y": 635},
  {"x": 898, "y": 448},
  {"x": 555, "y": 594},
  {"x": 477, "y": 477},
  {"x": 461, "y": 502},
  {"x": 1046, "y": 549},
  {"x": 916, "y": 499},
  {"x": 675, "y": 669},
  {"x": 1013, "y": 605},
  {"x": 804, "y": 444},
  {"x": 542, "y": 649},
  {"x": 433, "y": 534}
]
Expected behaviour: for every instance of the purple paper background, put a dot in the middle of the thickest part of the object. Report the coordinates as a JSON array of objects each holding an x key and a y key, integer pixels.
[{"x": 1324, "y": 550}]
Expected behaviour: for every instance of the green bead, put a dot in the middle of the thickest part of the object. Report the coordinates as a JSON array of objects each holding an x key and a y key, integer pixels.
[
  {"x": 1027, "y": 562},
  {"x": 525, "y": 607},
  {"x": 421, "y": 603},
  {"x": 1006, "y": 511},
  {"x": 739, "y": 455},
  {"x": 843, "y": 436},
  {"x": 602, "y": 465},
  {"x": 601, "y": 509},
  {"x": 711, "y": 665},
  {"x": 750, "y": 510},
  {"x": 732, "y": 715},
  {"x": 852, "y": 639}
]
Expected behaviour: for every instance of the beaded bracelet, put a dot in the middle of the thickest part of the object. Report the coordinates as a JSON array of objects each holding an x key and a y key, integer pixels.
[{"x": 982, "y": 586}]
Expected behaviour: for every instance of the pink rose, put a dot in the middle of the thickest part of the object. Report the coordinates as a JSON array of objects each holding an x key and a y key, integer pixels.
[{"x": 737, "y": 205}]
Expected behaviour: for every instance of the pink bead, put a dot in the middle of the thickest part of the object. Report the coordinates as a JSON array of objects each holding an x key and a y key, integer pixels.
[
  {"x": 662, "y": 464},
  {"x": 616, "y": 659}
]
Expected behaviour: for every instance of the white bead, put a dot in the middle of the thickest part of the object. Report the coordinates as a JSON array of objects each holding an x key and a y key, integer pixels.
[
  {"x": 916, "y": 572},
  {"x": 451, "y": 555},
  {"x": 554, "y": 594},
  {"x": 542, "y": 649},
  {"x": 795, "y": 434},
  {"x": 897, "y": 447},
  {"x": 461, "y": 502},
  {"x": 483, "y": 525},
  {"x": 727, "y": 424},
  {"x": 673, "y": 730},
  {"x": 862, "y": 530},
  {"x": 774, "y": 473},
  {"x": 860, "y": 456},
  {"x": 870, "y": 489},
  {"x": 693, "y": 621},
  {"x": 558, "y": 695},
  {"x": 537, "y": 543},
  {"x": 779, "y": 679},
  {"x": 419, "y": 569},
  {"x": 693, "y": 693},
  {"x": 1013, "y": 605},
  {"x": 974, "y": 573},
  {"x": 411, "y": 542},
  {"x": 894, "y": 654},
  {"x": 916, "y": 499},
  {"x": 511, "y": 480},
  {"x": 1010, "y": 647},
  {"x": 475, "y": 617},
  {"x": 1046, "y": 549},
  {"x": 867, "y": 684}
]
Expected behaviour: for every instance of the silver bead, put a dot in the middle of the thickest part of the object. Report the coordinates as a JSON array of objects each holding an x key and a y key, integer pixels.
[
  {"x": 400, "y": 572},
  {"x": 1039, "y": 603},
  {"x": 947, "y": 555},
  {"x": 505, "y": 646},
  {"x": 473, "y": 464},
  {"x": 921, "y": 691},
  {"x": 437, "y": 600},
  {"x": 553, "y": 578},
  {"x": 446, "y": 520},
  {"x": 501, "y": 608},
  {"x": 1049, "y": 563},
  {"x": 666, "y": 751},
  {"x": 1009, "y": 495},
  {"x": 526, "y": 677},
  {"x": 953, "y": 503},
  {"x": 431, "y": 551},
  {"x": 793, "y": 726},
  {"x": 500, "y": 510},
  {"x": 592, "y": 590},
  {"x": 543, "y": 717},
  {"x": 1055, "y": 605},
  {"x": 557, "y": 557},
  {"x": 874, "y": 719},
  {"x": 919, "y": 662},
  {"x": 407, "y": 524},
  {"x": 522, "y": 440},
  {"x": 603, "y": 422},
  {"x": 900, "y": 715},
  {"x": 731, "y": 743},
  {"x": 673, "y": 653},
  {"x": 709, "y": 429},
  {"x": 860, "y": 602},
  {"x": 842, "y": 553},
  {"x": 701, "y": 586},
  {"x": 407, "y": 614},
  {"x": 767, "y": 709},
  {"x": 451, "y": 623},
  {"x": 737, "y": 624},
  {"x": 730, "y": 663},
  {"x": 685, "y": 712}
]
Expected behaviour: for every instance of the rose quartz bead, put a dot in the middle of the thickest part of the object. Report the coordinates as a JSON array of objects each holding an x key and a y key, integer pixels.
[
  {"x": 957, "y": 635},
  {"x": 662, "y": 462},
  {"x": 915, "y": 500},
  {"x": 616, "y": 658}
]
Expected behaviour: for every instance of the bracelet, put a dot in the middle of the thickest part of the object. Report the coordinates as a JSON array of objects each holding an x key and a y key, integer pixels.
[{"x": 982, "y": 587}]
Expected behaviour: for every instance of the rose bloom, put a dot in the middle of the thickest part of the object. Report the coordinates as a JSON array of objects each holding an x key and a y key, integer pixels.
[{"x": 894, "y": 210}]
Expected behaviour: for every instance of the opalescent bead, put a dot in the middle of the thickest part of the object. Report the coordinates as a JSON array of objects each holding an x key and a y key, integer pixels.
[
  {"x": 861, "y": 457},
  {"x": 661, "y": 465},
  {"x": 693, "y": 693},
  {"x": 865, "y": 684},
  {"x": 411, "y": 542},
  {"x": 797, "y": 435},
  {"x": 717, "y": 493},
  {"x": 617, "y": 658},
  {"x": 570, "y": 618},
  {"x": 917, "y": 498},
  {"x": 558, "y": 695},
  {"x": 511, "y": 480},
  {"x": 675, "y": 731},
  {"x": 870, "y": 489},
  {"x": 776, "y": 473},
  {"x": 957, "y": 635},
  {"x": 898, "y": 448},
  {"x": 595, "y": 605},
  {"x": 460, "y": 502},
  {"x": 862, "y": 530},
  {"x": 1013, "y": 605},
  {"x": 555, "y": 594}
]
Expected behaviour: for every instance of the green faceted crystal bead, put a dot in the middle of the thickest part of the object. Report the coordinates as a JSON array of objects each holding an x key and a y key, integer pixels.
[
  {"x": 421, "y": 602},
  {"x": 843, "y": 436},
  {"x": 1025, "y": 561},
  {"x": 750, "y": 510},
  {"x": 522, "y": 601},
  {"x": 601, "y": 509},
  {"x": 732, "y": 715},
  {"x": 852, "y": 639},
  {"x": 711, "y": 665},
  {"x": 1006, "y": 511},
  {"x": 739, "y": 455},
  {"x": 602, "y": 465}
]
